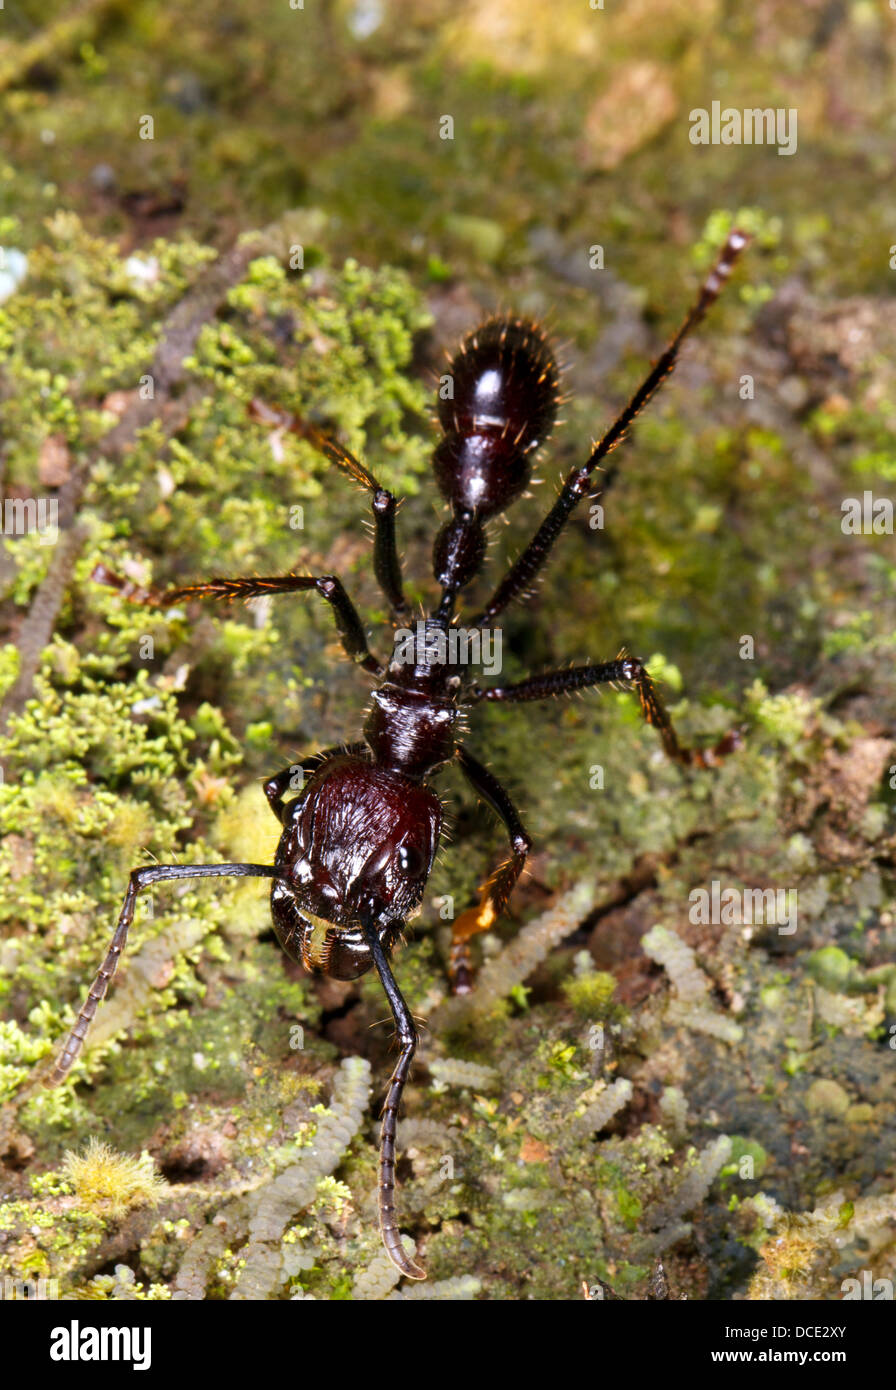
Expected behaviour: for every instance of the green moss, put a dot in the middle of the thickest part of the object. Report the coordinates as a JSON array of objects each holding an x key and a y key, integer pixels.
[
  {"x": 591, "y": 994},
  {"x": 832, "y": 967},
  {"x": 785, "y": 718},
  {"x": 630, "y": 1207},
  {"x": 748, "y": 1161},
  {"x": 108, "y": 1182}
]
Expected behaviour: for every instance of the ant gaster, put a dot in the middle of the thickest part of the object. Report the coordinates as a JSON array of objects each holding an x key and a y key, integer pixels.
[{"x": 359, "y": 840}]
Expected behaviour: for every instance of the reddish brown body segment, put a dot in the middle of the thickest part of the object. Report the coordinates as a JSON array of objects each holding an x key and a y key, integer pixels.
[{"x": 359, "y": 828}]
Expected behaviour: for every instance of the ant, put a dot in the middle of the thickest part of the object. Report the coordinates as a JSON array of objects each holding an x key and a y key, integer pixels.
[{"x": 359, "y": 841}]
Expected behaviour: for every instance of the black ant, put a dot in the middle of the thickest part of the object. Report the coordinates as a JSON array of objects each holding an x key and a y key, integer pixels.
[{"x": 359, "y": 841}]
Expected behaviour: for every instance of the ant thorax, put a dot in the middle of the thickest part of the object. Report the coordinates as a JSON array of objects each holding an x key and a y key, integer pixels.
[
  {"x": 410, "y": 731},
  {"x": 449, "y": 648}
]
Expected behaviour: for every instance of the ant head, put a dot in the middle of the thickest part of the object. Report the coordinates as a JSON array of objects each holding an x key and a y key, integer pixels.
[{"x": 357, "y": 845}]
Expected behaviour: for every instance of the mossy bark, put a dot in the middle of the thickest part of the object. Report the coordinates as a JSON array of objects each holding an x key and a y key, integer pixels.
[{"x": 722, "y": 556}]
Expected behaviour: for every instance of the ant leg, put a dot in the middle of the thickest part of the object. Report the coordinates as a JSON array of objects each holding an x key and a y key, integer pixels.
[
  {"x": 354, "y": 642},
  {"x": 386, "y": 564},
  {"x": 407, "y": 1040},
  {"x": 139, "y": 879},
  {"x": 499, "y": 885},
  {"x": 520, "y": 575},
  {"x": 286, "y": 781},
  {"x": 629, "y": 671}
]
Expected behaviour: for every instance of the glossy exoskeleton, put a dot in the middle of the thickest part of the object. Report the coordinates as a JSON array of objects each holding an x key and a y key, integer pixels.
[{"x": 360, "y": 837}]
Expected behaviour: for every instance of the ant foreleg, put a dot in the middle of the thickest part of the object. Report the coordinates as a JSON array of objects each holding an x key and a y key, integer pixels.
[
  {"x": 354, "y": 642},
  {"x": 288, "y": 780},
  {"x": 139, "y": 879},
  {"x": 627, "y": 671},
  {"x": 386, "y": 564},
  {"x": 519, "y": 577},
  {"x": 407, "y": 1039},
  {"x": 499, "y": 885}
]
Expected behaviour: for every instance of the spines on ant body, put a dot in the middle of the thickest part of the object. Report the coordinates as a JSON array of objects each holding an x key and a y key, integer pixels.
[{"x": 505, "y": 391}]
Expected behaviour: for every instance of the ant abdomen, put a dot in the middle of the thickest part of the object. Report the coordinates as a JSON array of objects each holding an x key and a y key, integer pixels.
[
  {"x": 503, "y": 403},
  {"x": 480, "y": 473}
]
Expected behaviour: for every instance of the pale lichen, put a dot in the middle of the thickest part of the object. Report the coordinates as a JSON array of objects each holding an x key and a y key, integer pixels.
[
  {"x": 693, "y": 1183},
  {"x": 512, "y": 966},
  {"x": 453, "y": 1071},
  {"x": 596, "y": 1107},
  {"x": 688, "y": 1006},
  {"x": 205, "y": 1249},
  {"x": 674, "y": 1110},
  {"x": 121, "y": 1287},
  {"x": 274, "y": 1204},
  {"x": 459, "y": 1287},
  {"x": 381, "y": 1275}
]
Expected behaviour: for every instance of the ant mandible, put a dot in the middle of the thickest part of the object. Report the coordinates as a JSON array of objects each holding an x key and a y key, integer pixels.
[{"x": 359, "y": 841}]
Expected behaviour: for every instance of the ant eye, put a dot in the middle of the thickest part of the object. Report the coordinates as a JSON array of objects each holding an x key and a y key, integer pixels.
[{"x": 408, "y": 859}]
